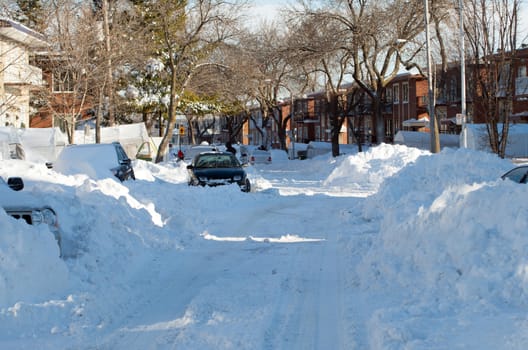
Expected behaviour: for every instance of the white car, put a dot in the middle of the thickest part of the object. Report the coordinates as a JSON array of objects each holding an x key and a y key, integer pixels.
[
  {"x": 98, "y": 161},
  {"x": 190, "y": 152},
  {"x": 260, "y": 156}
]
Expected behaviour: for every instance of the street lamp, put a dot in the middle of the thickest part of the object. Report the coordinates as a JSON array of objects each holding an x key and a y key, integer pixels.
[
  {"x": 462, "y": 75},
  {"x": 435, "y": 142}
]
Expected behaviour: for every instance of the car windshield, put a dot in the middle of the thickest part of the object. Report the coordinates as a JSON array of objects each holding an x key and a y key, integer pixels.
[
  {"x": 216, "y": 161},
  {"x": 518, "y": 174}
]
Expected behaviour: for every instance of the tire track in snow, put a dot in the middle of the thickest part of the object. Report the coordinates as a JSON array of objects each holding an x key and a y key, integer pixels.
[{"x": 309, "y": 312}]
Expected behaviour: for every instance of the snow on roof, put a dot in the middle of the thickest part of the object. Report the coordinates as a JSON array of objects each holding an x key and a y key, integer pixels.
[{"x": 20, "y": 33}]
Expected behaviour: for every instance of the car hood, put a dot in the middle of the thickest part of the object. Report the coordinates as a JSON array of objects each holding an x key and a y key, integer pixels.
[
  {"x": 218, "y": 173},
  {"x": 19, "y": 199}
]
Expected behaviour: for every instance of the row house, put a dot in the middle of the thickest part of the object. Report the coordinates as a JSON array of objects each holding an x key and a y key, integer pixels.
[
  {"x": 311, "y": 119},
  {"x": 60, "y": 101},
  {"x": 18, "y": 78},
  {"x": 405, "y": 104},
  {"x": 511, "y": 94},
  {"x": 520, "y": 101}
]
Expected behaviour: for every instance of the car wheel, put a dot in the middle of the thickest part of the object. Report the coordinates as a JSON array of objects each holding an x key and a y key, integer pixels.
[{"x": 246, "y": 187}]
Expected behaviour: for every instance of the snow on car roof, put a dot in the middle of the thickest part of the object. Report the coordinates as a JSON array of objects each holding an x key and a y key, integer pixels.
[{"x": 94, "y": 160}]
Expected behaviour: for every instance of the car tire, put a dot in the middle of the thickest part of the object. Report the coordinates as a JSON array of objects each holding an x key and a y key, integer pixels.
[{"x": 247, "y": 186}]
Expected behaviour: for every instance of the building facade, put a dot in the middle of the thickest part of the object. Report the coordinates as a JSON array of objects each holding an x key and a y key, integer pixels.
[{"x": 18, "y": 78}]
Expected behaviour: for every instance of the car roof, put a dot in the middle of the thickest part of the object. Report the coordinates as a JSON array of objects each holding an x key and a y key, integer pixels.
[
  {"x": 93, "y": 145},
  {"x": 95, "y": 160},
  {"x": 214, "y": 153}
]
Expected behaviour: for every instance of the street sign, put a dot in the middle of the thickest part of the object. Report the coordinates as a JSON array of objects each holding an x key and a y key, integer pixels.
[
  {"x": 182, "y": 130},
  {"x": 460, "y": 119}
]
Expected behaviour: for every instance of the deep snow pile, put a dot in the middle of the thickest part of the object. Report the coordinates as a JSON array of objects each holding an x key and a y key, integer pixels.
[
  {"x": 452, "y": 243},
  {"x": 449, "y": 243}
]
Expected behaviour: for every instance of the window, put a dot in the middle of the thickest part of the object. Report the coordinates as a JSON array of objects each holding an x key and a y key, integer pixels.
[
  {"x": 388, "y": 128},
  {"x": 453, "y": 91},
  {"x": 63, "y": 81},
  {"x": 388, "y": 94},
  {"x": 396, "y": 93},
  {"x": 405, "y": 92},
  {"x": 521, "y": 71}
]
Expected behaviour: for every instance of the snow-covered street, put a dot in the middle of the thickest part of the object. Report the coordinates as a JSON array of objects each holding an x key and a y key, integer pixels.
[{"x": 393, "y": 248}]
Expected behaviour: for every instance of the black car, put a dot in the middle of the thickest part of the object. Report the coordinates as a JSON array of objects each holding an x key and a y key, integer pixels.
[
  {"x": 518, "y": 174},
  {"x": 217, "y": 168}
]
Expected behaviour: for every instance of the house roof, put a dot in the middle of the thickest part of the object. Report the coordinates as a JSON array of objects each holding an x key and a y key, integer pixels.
[{"x": 20, "y": 33}]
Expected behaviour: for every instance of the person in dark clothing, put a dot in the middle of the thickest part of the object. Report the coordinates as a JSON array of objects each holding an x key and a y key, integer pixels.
[{"x": 230, "y": 148}]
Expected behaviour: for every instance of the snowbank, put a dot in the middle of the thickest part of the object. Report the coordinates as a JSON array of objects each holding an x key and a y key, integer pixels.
[
  {"x": 478, "y": 139},
  {"x": 431, "y": 255}
]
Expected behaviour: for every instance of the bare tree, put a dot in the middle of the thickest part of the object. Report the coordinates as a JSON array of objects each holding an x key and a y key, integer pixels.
[
  {"x": 265, "y": 67},
  {"x": 491, "y": 31},
  {"x": 69, "y": 61},
  {"x": 374, "y": 34},
  {"x": 225, "y": 88},
  {"x": 316, "y": 50},
  {"x": 87, "y": 49}
]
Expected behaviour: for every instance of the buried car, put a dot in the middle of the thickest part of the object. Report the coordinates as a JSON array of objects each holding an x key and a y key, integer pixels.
[
  {"x": 518, "y": 174},
  {"x": 217, "y": 168},
  {"x": 97, "y": 160},
  {"x": 23, "y": 206}
]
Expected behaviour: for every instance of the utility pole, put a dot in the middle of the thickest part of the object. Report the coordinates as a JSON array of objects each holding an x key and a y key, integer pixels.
[
  {"x": 109, "y": 75},
  {"x": 462, "y": 75},
  {"x": 433, "y": 126},
  {"x": 292, "y": 130}
]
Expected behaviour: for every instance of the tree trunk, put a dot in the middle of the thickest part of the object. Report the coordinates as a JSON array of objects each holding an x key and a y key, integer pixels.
[
  {"x": 335, "y": 125},
  {"x": 378, "y": 120}
]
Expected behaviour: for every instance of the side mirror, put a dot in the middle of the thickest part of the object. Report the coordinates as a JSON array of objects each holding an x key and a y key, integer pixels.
[
  {"x": 189, "y": 166},
  {"x": 15, "y": 183}
]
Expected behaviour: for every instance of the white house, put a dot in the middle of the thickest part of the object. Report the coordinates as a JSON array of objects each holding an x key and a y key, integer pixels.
[{"x": 17, "y": 76}]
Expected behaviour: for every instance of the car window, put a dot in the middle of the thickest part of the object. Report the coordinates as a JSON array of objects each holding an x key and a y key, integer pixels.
[
  {"x": 216, "y": 161},
  {"x": 121, "y": 155},
  {"x": 517, "y": 174}
]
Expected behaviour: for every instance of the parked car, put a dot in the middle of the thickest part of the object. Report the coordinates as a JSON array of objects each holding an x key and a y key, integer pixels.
[
  {"x": 260, "y": 156},
  {"x": 190, "y": 152},
  {"x": 518, "y": 174},
  {"x": 23, "y": 206},
  {"x": 217, "y": 168},
  {"x": 98, "y": 161}
]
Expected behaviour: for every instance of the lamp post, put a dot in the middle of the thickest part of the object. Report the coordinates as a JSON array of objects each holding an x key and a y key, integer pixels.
[
  {"x": 462, "y": 74},
  {"x": 435, "y": 143}
]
